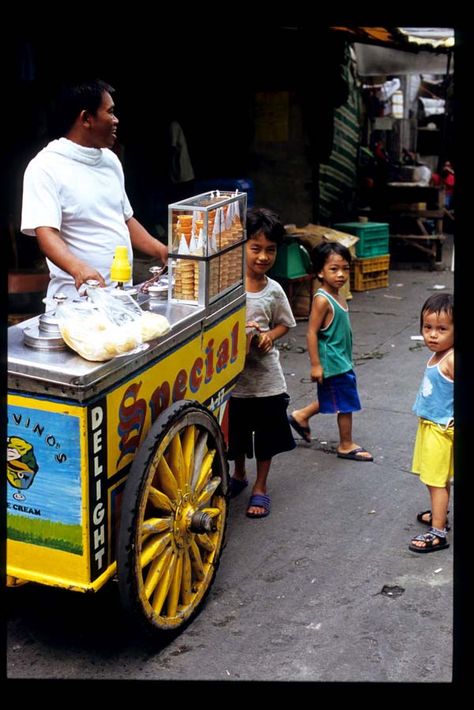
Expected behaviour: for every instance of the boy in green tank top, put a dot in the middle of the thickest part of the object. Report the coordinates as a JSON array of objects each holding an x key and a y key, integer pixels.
[{"x": 329, "y": 339}]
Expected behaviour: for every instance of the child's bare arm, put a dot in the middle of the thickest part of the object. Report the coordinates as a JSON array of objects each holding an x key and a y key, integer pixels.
[
  {"x": 319, "y": 310},
  {"x": 447, "y": 366}
]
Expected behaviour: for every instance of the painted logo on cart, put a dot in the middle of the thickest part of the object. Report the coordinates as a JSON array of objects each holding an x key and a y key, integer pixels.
[
  {"x": 21, "y": 463},
  {"x": 43, "y": 472}
]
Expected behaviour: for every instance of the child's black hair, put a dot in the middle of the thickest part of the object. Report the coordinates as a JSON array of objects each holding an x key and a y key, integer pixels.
[
  {"x": 438, "y": 303},
  {"x": 264, "y": 221},
  {"x": 321, "y": 253}
]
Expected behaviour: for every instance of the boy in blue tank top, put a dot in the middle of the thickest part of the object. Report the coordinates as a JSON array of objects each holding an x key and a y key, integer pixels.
[
  {"x": 329, "y": 339},
  {"x": 433, "y": 453}
]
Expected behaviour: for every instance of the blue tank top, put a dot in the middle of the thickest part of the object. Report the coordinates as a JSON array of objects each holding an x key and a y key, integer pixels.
[
  {"x": 335, "y": 341},
  {"x": 435, "y": 398}
]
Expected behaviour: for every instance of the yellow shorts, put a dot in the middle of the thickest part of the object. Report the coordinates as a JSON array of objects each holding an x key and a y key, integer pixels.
[{"x": 433, "y": 454}]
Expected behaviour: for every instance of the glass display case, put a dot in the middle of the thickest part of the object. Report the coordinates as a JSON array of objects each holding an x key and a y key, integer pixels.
[{"x": 205, "y": 245}]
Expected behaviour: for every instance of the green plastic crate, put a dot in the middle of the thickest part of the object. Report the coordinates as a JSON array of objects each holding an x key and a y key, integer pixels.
[{"x": 373, "y": 237}]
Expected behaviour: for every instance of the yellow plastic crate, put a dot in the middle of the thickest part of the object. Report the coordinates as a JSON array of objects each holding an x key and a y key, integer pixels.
[{"x": 370, "y": 273}]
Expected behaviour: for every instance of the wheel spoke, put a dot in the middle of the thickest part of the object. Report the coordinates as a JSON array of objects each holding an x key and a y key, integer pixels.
[
  {"x": 213, "y": 512},
  {"x": 186, "y": 590},
  {"x": 208, "y": 491},
  {"x": 155, "y": 525},
  {"x": 189, "y": 440},
  {"x": 155, "y": 571},
  {"x": 176, "y": 461},
  {"x": 154, "y": 547},
  {"x": 196, "y": 561},
  {"x": 175, "y": 587},
  {"x": 199, "y": 453},
  {"x": 159, "y": 500},
  {"x": 166, "y": 480},
  {"x": 205, "y": 470},
  {"x": 163, "y": 586},
  {"x": 205, "y": 542}
]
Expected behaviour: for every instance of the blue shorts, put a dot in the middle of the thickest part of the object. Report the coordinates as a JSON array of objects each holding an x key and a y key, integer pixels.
[
  {"x": 339, "y": 394},
  {"x": 259, "y": 424}
]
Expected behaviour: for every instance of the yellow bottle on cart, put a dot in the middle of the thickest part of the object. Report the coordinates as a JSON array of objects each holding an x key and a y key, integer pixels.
[{"x": 121, "y": 269}]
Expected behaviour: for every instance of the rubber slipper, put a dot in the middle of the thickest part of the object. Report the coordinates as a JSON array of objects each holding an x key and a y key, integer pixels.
[
  {"x": 236, "y": 486},
  {"x": 258, "y": 501},
  {"x": 354, "y": 455},
  {"x": 303, "y": 431},
  {"x": 428, "y": 522}
]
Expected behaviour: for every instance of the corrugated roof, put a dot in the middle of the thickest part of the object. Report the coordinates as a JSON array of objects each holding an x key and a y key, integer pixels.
[{"x": 437, "y": 39}]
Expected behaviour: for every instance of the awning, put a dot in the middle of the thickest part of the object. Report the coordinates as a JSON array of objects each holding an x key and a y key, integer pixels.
[{"x": 413, "y": 39}]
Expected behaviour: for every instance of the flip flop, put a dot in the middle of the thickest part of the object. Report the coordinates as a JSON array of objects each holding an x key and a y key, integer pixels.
[
  {"x": 354, "y": 455},
  {"x": 236, "y": 486},
  {"x": 303, "y": 431},
  {"x": 259, "y": 501}
]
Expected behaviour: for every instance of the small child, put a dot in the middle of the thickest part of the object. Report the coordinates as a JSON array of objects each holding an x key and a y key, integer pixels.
[
  {"x": 329, "y": 339},
  {"x": 433, "y": 453},
  {"x": 259, "y": 401}
]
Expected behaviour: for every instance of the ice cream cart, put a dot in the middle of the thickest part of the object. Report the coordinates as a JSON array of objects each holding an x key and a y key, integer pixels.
[{"x": 117, "y": 469}]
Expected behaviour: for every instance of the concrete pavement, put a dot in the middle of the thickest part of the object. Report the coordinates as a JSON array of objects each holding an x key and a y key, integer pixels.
[{"x": 325, "y": 588}]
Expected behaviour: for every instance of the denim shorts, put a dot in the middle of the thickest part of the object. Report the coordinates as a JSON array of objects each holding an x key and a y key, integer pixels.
[{"x": 339, "y": 394}]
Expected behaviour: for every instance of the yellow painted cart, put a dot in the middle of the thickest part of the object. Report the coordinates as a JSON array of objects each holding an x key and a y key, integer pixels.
[{"x": 119, "y": 468}]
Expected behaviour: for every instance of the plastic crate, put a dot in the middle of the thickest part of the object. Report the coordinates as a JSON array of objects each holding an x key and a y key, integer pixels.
[
  {"x": 370, "y": 273},
  {"x": 373, "y": 237}
]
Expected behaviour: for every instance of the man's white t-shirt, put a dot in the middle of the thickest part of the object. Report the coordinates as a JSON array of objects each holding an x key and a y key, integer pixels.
[{"x": 80, "y": 192}]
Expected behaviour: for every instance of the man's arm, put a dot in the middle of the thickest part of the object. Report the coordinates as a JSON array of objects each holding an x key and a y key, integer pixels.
[
  {"x": 143, "y": 241},
  {"x": 53, "y": 247}
]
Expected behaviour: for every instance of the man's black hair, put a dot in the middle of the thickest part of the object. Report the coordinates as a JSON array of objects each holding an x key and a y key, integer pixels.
[
  {"x": 321, "y": 253},
  {"x": 265, "y": 221},
  {"x": 76, "y": 97}
]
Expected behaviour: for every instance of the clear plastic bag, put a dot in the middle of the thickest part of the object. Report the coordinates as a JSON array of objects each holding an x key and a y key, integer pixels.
[{"x": 108, "y": 324}]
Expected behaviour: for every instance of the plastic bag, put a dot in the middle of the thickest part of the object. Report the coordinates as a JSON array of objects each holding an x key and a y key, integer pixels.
[{"x": 107, "y": 324}]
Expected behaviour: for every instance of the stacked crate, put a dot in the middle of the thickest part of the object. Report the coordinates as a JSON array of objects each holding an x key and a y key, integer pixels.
[{"x": 370, "y": 269}]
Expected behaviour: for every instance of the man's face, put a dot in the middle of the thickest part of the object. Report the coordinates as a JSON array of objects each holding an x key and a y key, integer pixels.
[{"x": 103, "y": 126}]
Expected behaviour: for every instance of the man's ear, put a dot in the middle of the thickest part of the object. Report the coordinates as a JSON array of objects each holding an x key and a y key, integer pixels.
[{"x": 84, "y": 118}]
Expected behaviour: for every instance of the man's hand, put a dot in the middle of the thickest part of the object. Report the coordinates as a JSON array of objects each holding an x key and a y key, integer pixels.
[{"x": 85, "y": 272}]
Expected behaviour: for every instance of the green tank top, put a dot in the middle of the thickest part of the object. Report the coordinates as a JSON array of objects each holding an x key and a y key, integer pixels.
[{"x": 335, "y": 341}]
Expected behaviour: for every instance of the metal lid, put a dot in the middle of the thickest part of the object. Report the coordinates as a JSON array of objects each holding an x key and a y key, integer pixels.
[
  {"x": 48, "y": 323},
  {"x": 35, "y": 337}
]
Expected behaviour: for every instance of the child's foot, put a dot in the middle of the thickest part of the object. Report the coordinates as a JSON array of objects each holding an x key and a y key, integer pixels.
[
  {"x": 237, "y": 485},
  {"x": 300, "y": 425},
  {"x": 429, "y": 542},
  {"x": 259, "y": 505},
  {"x": 426, "y": 519},
  {"x": 355, "y": 453}
]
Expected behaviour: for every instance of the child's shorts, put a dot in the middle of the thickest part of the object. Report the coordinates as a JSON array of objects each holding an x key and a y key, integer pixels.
[
  {"x": 433, "y": 454},
  {"x": 259, "y": 424},
  {"x": 339, "y": 394}
]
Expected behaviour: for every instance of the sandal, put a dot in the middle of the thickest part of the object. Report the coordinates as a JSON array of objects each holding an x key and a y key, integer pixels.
[
  {"x": 429, "y": 540},
  {"x": 428, "y": 522}
]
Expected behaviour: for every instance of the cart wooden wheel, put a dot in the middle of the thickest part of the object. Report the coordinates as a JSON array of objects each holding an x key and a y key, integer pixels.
[{"x": 173, "y": 519}]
